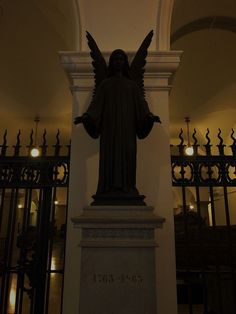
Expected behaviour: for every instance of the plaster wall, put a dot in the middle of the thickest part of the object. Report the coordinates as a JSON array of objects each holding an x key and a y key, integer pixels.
[{"x": 118, "y": 24}]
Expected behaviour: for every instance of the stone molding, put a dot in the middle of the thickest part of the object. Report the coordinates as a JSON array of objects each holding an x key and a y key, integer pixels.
[
  {"x": 113, "y": 233},
  {"x": 135, "y": 216},
  {"x": 118, "y": 226},
  {"x": 160, "y": 65}
]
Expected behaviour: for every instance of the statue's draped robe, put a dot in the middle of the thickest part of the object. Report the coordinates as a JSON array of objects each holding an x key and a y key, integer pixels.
[{"x": 118, "y": 114}]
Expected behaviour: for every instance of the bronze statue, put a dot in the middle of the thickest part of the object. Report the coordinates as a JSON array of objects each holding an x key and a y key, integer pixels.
[{"x": 118, "y": 114}]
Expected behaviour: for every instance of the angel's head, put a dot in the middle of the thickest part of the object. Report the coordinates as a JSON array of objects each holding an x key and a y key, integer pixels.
[{"x": 118, "y": 63}]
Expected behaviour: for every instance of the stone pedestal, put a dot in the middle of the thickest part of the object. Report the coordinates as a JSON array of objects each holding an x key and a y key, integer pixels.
[{"x": 118, "y": 268}]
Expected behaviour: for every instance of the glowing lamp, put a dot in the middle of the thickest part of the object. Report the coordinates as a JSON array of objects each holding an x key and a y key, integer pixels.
[
  {"x": 34, "y": 152},
  {"x": 189, "y": 148},
  {"x": 189, "y": 151}
]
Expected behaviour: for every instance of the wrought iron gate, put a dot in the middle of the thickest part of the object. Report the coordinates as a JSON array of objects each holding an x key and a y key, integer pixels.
[
  {"x": 32, "y": 227},
  {"x": 205, "y": 226}
]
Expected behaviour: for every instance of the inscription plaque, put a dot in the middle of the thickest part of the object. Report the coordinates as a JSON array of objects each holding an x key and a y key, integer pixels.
[
  {"x": 117, "y": 281},
  {"x": 111, "y": 278}
]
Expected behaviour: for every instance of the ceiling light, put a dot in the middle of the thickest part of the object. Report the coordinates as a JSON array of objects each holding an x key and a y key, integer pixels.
[
  {"x": 189, "y": 151},
  {"x": 35, "y": 151}
]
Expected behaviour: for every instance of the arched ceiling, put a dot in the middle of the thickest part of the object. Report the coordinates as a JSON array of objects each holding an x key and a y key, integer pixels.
[
  {"x": 209, "y": 22},
  {"x": 186, "y": 11},
  {"x": 32, "y": 81},
  {"x": 204, "y": 87}
]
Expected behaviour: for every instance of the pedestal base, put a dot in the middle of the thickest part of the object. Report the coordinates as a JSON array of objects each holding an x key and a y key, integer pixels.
[{"x": 118, "y": 259}]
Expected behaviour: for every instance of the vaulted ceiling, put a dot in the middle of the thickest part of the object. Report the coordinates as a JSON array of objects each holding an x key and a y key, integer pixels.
[
  {"x": 32, "y": 81},
  {"x": 204, "y": 87}
]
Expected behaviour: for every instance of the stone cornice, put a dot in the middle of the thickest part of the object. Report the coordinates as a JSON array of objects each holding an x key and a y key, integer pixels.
[
  {"x": 78, "y": 64},
  {"x": 89, "y": 87}
]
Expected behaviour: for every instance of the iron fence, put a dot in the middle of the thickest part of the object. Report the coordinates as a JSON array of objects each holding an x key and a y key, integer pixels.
[
  {"x": 205, "y": 225},
  {"x": 33, "y": 211}
]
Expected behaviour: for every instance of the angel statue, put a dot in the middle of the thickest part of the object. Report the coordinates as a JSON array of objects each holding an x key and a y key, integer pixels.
[{"x": 118, "y": 113}]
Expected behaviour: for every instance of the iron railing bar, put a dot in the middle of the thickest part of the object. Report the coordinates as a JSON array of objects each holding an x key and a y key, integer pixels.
[
  {"x": 50, "y": 246},
  {"x": 25, "y": 228},
  {"x": 201, "y": 250},
  {"x": 64, "y": 243},
  {"x": 2, "y": 270},
  {"x": 42, "y": 251},
  {"x": 40, "y": 198},
  {"x": 20, "y": 283},
  {"x": 216, "y": 260},
  {"x": 8, "y": 247},
  {"x": 230, "y": 248},
  {"x": 39, "y": 207},
  {"x": 32, "y": 303},
  {"x": 187, "y": 244},
  {"x": 212, "y": 207},
  {"x": 2, "y": 206},
  {"x": 20, "y": 277}
]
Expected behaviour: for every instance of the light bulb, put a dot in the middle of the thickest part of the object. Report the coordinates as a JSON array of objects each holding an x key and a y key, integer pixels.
[
  {"x": 189, "y": 150},
  {"x": 34, "y": 152}
]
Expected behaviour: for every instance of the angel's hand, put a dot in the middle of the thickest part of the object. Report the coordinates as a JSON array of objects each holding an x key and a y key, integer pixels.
[
  {"x": 78, "y": 120},
  {"x": 156, "y": 119}
]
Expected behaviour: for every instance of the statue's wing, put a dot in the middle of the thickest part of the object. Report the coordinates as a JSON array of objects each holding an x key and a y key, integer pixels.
[
  {"x": 139, "y": 61},
  {"x": 99, "y": 63}
]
